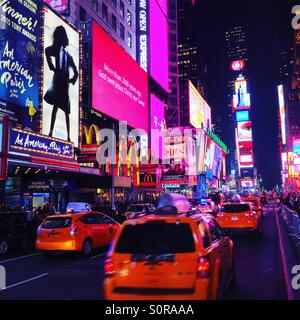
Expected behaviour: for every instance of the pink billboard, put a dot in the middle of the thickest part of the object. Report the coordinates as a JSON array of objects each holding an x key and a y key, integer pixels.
[
  {"x": 159, "y": 59},
  {"x": 119, "y": 84},
  {"x": 60, "y": 6}
]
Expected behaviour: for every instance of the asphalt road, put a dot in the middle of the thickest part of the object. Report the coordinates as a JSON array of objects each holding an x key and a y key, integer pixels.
[{"x": 70, "y": 277}]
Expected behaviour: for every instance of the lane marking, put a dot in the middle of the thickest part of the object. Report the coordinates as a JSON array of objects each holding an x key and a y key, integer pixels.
[
  {"x": 284, "y": 262},
  {"x": 25, "y": 281},
  {"x": 22, "y": 257},
  {"x": 98, "y": 255}
]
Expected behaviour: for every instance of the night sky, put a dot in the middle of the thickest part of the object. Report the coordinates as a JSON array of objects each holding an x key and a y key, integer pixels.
[{"x": 265, "y": 23}]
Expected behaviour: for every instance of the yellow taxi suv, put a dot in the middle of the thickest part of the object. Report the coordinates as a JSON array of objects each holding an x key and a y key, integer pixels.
[
  {"x": 76, "y": 232},
  {"x": 239, "y": 216},
  {"x": 256, "y": 203},
  {"x": 169, "y": 256}
]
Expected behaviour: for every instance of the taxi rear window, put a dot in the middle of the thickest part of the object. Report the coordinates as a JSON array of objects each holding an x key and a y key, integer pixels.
[
  {"x": 54, "y": 223},
  {"x": 156, "y": 238},
  {"x": 235, "y": 208}
]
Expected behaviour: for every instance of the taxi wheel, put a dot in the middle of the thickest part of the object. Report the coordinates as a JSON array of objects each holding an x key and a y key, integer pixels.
[{"x": 87, "y": 248}]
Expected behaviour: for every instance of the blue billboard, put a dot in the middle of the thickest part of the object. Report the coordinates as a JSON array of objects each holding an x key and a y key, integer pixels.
[
  {"x": 20, "y": 61},
  {"x": 33, "y": 143},
  {"x": 242, "y": 116}
]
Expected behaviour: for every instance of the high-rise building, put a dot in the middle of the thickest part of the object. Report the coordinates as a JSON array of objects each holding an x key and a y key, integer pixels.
[
  {"x": 173, "y": 111},
  {"x": 117, "y": 17}
]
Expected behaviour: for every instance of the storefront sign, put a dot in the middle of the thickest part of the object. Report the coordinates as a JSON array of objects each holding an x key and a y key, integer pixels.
[
  {"x": 39, "y": 185},
  {"x": 147, "y": 179},
  {"x": 30, "y": 142}
]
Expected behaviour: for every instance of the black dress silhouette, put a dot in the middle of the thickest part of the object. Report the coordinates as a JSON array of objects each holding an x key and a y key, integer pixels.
[{"x": 58, "y": 94}]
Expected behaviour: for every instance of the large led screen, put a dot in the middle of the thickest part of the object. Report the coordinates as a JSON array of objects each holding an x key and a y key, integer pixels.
[
  {"x": 159, "y": 54},
  {"x": 282, "y": 113},
  {"x": 217, "y": 164},
  {"x": 120, "y": 85},
  {"x": 241, "y": 98},
  {"x": 61, "y": 79},
  {"x": 209, "y": 154},
  {"x": 242, "y": 115},
  {"x": 246, "y": 153},
  {"x": 19, "y": 61},
  {"x": 197, "y": 107},
  {"x": 244, "y": 131}
]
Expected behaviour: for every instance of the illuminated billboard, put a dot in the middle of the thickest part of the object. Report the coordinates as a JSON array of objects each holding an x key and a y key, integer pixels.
[
  {"x": 296, "y": 145},
  {"x": 19, "y": 61},
  {"x": 60, "y": 6},
  {"x": 209, "y": 155},
  {"x": 217, "y": 163},
  {"x": 237, "y": 65},
  {"x": 244, "y": 131},
  {"x": 196, "y": 107},
  {"x": 142, "y": 33},
  {"x": 242, "y": 115},
  {"x": 159, "y": 52},
  {"x": 120, "y": 85},
  {"x": 207, "y": 117},
  {"x": 241, "y": 98},
  {"x": 246, "y": 154},
  {"x": 60, "y": 116},
  {"x": 282, "y": 113}
]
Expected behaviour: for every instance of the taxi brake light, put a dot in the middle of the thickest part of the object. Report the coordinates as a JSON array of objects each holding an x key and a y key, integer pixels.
[
  {"x": 203, "y": 267},
  {"x": 108, "y": 267}
]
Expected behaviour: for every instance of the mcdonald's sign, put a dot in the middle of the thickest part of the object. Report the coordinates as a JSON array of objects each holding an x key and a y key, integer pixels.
[
  {"x": 89, "y": 133},
  {"x": 147, "y": 179}
]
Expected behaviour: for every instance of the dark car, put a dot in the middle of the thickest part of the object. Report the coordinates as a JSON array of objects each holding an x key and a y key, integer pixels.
[{"x": 16, "y": 231}]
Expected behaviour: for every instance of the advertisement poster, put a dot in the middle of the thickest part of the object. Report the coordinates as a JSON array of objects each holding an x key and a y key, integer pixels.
[
  {"x": 217, "y": 165},
  {"x": 61, "y": 79},
  {"x": 197, "y": 107},
  {"x": 244, "y": 131},
  {"x": 120, "y": 85},
  {"x": 19, "y": 61},
  {"x": 209, "y": 155},
  {"x": 60, "y": 6},
  {"x": 242, "y": 116}
]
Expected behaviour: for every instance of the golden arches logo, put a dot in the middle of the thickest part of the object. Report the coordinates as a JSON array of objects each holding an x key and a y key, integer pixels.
[
  {"x": 88, "y": 132},
  {"x": 148, "y": 177}
]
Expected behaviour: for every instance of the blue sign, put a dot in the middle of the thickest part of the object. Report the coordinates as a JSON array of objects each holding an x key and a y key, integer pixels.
[
  {"x": 242, "y": 116},
  {"x": 20, "y": 61},
  {"x": 29, "y": 142}
]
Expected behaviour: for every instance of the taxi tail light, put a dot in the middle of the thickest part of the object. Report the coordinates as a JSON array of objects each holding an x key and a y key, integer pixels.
[
  {"x": 203, "y": 267},
  {"x": 249, "y": 214},
  {"x": 109, "y": 268},
  {"x": 73, "y": 231}
]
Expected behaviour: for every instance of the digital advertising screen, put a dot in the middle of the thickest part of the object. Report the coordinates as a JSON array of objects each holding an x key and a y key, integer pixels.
[
  {"x": 200, "y": 150},
  {"x": 237, "y": 65},
  {"x": 207, "y": 117},
  {"x": 244, "y": 131},
  {"x": 246, "y": 153},
  {"x": 159, "y": 51},
  {"x": 282, "y": 113},
  {"x": 209, "y": 154},
  {"x": 296, "y": 145},
  {"x": 19, "y": 61},
  {"x": 120, "y": 85},
  {"x": 242, "y": 115},
  {"x": 60, "y": 6},
  {"x": 196, "y": 107},
  {"x": 217, "y": 164},
  {"x": 241, "y": 98},
  {"x": 61, "y": 79}
]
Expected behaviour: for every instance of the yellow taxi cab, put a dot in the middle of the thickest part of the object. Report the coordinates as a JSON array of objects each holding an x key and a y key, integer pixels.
[
  {"x": 239, "y": 216},
  {"x": 167, "y": 256},
  {"x": 82, "y": 231},
  {"x": 256, "y": 203}
]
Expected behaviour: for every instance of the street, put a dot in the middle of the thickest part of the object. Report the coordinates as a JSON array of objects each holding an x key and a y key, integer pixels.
[{"x": 71, "y": 277}]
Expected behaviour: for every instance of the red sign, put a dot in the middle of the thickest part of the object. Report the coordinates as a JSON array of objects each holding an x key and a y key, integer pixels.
[
  {"x": 237, "y": 65},
  {"x": 88, "y": 149}
]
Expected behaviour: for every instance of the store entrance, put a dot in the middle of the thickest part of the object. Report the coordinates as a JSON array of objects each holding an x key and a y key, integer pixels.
[{"x": 39, "y": 199}]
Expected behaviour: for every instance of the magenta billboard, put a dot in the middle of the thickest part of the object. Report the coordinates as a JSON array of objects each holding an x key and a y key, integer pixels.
[
  {"x": 60, "y": 6},
  {"x": 159, "y": 64},
  {"x": 119, "y": 84}
]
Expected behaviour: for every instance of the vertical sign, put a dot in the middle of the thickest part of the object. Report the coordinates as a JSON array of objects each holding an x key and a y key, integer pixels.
[{"x": 142, "y": 33}]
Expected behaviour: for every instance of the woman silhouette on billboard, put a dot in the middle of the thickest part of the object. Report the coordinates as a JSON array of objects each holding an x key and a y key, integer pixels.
[{"x": 58, "y": 94}]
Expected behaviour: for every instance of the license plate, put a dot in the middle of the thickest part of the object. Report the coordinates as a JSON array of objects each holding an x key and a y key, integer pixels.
[{"x": 234, "y": 218}]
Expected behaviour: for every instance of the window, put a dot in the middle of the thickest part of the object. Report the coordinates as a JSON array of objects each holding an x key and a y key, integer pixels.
[
  {"x": 114, "y": 22},
  {"x": 114, "y": 3},
  {"x": 203, "y": 231},
  {"x": 129, "y": 18},
  {"x": 122, "y": 31},
  {"x": 216, "y": 232},
  {"x": 88, "y": 219},
  {"x": 104, "y": 12},
  {"x": 95, "y": 5},
  {"x": 170, "y": 238},
  {"x": 129, "y": 40},
  {"x": 122, "y": 9},
  {"x": 55, "y": 223}
]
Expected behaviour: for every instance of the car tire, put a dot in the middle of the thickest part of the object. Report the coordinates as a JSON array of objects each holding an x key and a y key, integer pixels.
[
  {"x": 87, "y": 247},
  {"x": 4, "y": 246}
]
